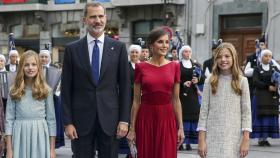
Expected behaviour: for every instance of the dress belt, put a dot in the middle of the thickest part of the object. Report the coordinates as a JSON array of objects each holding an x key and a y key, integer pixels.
[{"x": 30, "y": 118}]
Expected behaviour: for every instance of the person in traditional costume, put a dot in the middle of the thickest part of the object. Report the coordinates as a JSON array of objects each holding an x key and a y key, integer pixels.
[
  {"x": 13, "y": 61},
  {"x": 52, "y": 76},
  {"x": 265, "y": 103},
  {"x": 190, "y": 79}
]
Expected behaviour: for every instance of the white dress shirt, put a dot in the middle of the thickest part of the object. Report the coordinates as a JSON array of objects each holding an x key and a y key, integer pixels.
[
  {"x": 100, "y": 44},
  {"x": 248, "y": 70}
]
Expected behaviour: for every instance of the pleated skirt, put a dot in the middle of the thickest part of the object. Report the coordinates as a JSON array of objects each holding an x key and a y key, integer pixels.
[
  {"x": 264, "y": 126},
  {"x": 191, "y": 135},
  {"x": 30, "y": 139},
  {"x": 156, "y": 132}
]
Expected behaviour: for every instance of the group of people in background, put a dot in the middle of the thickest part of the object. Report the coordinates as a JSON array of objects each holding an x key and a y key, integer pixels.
[
  {"x": 264, "y": 95},
  {"x": 138, "y": 99}
]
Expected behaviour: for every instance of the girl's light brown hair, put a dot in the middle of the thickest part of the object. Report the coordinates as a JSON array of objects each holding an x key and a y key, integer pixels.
[
  {"x": 235, "y": 69},
  {"x": 39, "y": 87}
]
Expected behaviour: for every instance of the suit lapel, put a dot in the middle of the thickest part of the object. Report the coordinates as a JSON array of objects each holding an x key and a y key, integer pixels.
[
  {"x": 108, "y": 51},
  {"x": 83, "y": 56}
]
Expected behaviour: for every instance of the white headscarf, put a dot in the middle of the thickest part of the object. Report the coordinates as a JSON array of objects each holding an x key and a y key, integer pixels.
[
  {"x": 134, "y": 47},
  {"x": 3, "y": 57},
  {"x": 12, "y": 52},
  {"x": 265, "y": 51},
  {"x": 46, "y": 52},
  {"x": 186, "y": 47}
]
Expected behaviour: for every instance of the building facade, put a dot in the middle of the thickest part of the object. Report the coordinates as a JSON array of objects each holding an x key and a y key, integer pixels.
[{"x": 37, "y": 22}]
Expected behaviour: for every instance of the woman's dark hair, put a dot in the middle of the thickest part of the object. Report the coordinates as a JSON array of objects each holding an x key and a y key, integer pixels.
[{"x": 155, "y": 34}]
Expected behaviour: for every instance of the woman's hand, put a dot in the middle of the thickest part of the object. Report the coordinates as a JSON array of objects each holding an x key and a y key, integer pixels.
[
  {"x": 195, "y": 80},
  {"x": 202, "y": 149},
  {"x": 9, "y": 154},
  {"x": 131, "y": 136},
  {"x": 181, "y": 137},
  {"x": 53, "y": 155},
  {"x": 272, "y": 88},
  {"x": 244, "y": 148},
  {"x": 9, "y": 147},
  {"x": 188, "y": 83}
]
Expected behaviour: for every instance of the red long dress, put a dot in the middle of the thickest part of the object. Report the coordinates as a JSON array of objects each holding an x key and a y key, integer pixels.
[{"x": 156, "y": 129}]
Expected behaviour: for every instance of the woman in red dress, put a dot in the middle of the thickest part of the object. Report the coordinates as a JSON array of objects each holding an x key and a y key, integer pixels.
[{"x": 156, "y": 114}]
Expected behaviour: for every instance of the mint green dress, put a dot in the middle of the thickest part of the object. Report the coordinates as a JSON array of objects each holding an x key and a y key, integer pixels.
[{"x": 30, "y": 123}]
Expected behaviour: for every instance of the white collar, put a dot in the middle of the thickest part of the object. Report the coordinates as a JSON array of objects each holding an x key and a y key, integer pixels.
[
  {"x": 133, "y": 64},
  {"x": 3, "y": 70},
  {"x": 47, "y": 65},
  {"x": 265, "y": 67},
  {"x": 187, "y": 63},
  {"x": 100, "y": 39},
  {"x": 13, "y": 68}
]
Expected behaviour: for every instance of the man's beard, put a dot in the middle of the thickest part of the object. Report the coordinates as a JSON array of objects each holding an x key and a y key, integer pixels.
[{"x": 94, "y": 30}]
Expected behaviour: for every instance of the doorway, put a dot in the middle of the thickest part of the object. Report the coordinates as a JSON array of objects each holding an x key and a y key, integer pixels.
[{"x": 241, "y": 31}]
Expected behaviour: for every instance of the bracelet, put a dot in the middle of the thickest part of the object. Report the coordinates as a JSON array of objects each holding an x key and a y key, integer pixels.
[{"x": 131, "y": 129}]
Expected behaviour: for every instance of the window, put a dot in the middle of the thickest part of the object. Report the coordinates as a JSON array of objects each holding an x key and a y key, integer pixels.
[
  {"x": 142, "y": 28},
  {"x": 242, "y": 21}
]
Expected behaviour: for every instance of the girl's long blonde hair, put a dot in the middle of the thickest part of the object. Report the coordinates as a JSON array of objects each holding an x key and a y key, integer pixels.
[
  {"x": 39, "y": 87},
  {"x": 235, "y": 69}
]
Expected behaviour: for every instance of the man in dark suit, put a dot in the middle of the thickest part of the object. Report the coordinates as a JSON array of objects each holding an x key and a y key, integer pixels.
[
  {"x": 95, "y": 89},
  {"x": 207, "y": 67},
  {"x": 251, "y": 63},
  {"x": 208, "y": 64}
]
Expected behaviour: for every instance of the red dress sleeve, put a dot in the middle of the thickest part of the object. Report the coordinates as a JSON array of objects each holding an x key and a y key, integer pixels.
[
  {"x": 137, "y": 74},
  {"x": 177, "y": 73}
]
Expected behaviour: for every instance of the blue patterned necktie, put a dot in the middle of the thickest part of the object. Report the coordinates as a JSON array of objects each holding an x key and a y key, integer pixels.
[{"x": 95, "y": 62}]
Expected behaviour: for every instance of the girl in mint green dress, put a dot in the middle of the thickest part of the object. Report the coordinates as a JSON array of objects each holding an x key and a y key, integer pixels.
[{"x": 30, "y": 117}]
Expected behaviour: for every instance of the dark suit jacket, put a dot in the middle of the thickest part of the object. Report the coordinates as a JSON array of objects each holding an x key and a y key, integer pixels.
[
  {"x": 131, "y": 72},
  {"x": 253, "y": 60},
  {"x": 83, "y": 101},
  {"x": 208, "y": 63},
  {"x": 2, "y": 120}
]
